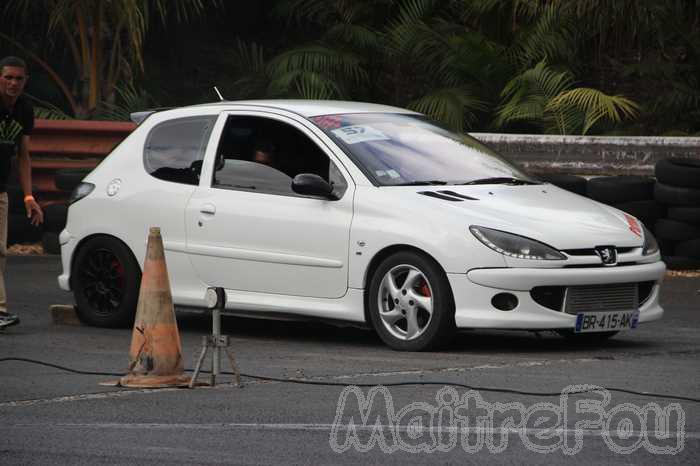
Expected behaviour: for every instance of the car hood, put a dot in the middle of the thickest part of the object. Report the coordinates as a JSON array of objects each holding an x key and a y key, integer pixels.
[{"x": 543, "y": 212}]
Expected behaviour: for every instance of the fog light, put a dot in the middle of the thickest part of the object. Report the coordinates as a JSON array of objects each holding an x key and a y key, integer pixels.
[{"x": 504, "y": 301}]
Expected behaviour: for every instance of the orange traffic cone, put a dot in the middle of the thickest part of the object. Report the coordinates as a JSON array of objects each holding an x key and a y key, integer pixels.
[{"x": 155, "y": 357}]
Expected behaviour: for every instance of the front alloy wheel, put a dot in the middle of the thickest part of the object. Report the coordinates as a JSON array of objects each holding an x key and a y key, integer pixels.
[
  {"x": 410, "y": 303},
  {"x": 405, "y": 302}
]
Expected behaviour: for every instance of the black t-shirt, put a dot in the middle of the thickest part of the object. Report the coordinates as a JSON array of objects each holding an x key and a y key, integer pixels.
[{"x": 13, "y": 125}]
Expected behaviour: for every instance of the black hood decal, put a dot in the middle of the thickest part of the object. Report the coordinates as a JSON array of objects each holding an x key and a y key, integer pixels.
[{"x": 448, "y": 196}]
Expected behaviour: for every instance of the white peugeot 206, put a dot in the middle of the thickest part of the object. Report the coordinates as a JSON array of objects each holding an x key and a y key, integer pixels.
[{"x": 356, "y": 212}]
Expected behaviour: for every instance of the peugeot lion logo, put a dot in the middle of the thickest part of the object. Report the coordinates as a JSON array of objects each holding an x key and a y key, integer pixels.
[{"x": 607, "y": 254}]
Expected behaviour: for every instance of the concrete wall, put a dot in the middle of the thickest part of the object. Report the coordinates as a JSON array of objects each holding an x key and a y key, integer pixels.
[{"x": 590, "y": 155}]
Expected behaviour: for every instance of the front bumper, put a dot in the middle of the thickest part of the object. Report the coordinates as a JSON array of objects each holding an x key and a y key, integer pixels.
[{"x": 474, "y": 290}]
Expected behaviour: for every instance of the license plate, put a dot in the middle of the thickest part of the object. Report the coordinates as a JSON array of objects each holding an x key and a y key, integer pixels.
[{"x": 606, "y": 321}]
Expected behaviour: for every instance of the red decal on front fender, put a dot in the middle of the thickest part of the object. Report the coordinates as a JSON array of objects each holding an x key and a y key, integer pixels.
[{"x": 635, "y": 227}]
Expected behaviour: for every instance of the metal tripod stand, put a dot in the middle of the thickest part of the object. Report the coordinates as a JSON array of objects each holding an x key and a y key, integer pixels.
[{"x": 216, "y": 299}]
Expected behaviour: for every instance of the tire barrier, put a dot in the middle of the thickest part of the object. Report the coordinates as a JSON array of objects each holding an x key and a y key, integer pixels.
[
  {"x": 631, "y": 194},
  {"x": 676, "y": 195},
  {"x": 55, "y": 216},
  {"x": 690, "y": 248},
  {"x": 678, "y": 188},
  {"x": 648, "y": 211},
  {"x": 681, "y": 263},
  {"x": 50, "y": 243},
  {"x": 685, "y": 214},
  {"x": 676, "y": 231},
  {"x": 573, "y": 183},
  {"x": 684, "y": 173},
  {"x": 620, "y": 189}
]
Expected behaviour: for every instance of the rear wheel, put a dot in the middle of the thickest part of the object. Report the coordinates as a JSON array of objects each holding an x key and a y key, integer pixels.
[
  {"x": 410, "y": 303},
  {"x": 106, "y": 280}
]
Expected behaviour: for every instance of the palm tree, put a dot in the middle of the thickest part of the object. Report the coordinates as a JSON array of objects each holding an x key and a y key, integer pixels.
[
  {"x": 546, "y": 98},
  {"x": 104, "y": 39}
]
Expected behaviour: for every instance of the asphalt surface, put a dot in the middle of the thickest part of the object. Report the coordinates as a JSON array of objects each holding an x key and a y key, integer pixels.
[{"x": 48, "y": 415}]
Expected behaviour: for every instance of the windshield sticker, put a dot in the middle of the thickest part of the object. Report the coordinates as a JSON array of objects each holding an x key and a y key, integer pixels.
[
  {"x": 327, "y": 121},
  {"x": 390, "y": 173},
  {"x": 359, "y": 133}
]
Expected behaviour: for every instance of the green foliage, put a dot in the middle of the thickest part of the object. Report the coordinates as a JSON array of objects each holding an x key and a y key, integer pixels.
[
  {"x": 555, "y": 66},
  {"x": 547, "y": 98},
  {"x": 452, "y": 106},
  {"x": 129, "y": 99}
]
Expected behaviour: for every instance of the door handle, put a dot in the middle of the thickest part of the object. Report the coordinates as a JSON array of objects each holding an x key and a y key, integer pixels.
[{"x": 208, "y": 209}]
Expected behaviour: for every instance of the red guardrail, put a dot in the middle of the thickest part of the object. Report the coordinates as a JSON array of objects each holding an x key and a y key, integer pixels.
[{"x": 58, "y": 144}]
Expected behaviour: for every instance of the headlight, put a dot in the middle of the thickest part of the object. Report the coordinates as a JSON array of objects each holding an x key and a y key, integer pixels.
[
  {"x": 650, "y": 244},
  {"x": 515, "y": 246},
  {"x": 80, "y": 191}
]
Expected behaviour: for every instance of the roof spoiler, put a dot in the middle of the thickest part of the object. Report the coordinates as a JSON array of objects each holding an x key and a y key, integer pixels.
[{"x": 139, "y": 117}]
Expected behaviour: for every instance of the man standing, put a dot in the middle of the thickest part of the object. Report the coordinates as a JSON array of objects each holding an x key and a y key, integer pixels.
[{"x": 16, "y": 124}]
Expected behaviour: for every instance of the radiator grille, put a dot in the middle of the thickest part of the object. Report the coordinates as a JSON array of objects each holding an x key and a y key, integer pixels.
[{"x": 597, "y": 298}]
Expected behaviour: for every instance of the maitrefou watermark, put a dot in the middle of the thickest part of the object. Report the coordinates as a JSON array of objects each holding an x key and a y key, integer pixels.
[{"x": 365, "y": 421}]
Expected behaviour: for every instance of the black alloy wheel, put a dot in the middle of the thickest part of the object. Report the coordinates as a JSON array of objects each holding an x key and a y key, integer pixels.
[{"x": 105, "y": 282}]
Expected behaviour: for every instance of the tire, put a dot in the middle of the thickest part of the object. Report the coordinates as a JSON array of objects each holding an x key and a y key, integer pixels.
[
  {"x": 21, "y": 230},
  {"x": 676, "y": 196},
  {"x": 66, "y": 179},
  {"x": 586, "y": 338},
  {"x": 50, "y": 243},
  {"x": 573, "y": 183},
  {"x": 428, "y": 286},
  {"x": 680, "y": 172},
  {"x": 685, "y": 214},
  {"x": 618, "y": 189},
  {"x": 681, "y": 263},
  {"x": 675, "y": 230},
  {"x": 666, "y": 246},
  {"x": 690, "y": 248},
  {"x": 105, "y": 278},
  {"x": 646, "y": 211},
  {"x": 55, "y": 216}
]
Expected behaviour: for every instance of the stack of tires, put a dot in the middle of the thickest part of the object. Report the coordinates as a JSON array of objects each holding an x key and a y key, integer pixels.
[
  {"x": 574, "y": 183},
  {"x": 631, "y": 194},
  {"x": 678, "y": 188}
]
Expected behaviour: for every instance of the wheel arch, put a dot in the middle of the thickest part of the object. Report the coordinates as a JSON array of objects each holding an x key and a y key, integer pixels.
[
  {"x": 81, "y": 244},
  {"x": 383, "y": 254}
]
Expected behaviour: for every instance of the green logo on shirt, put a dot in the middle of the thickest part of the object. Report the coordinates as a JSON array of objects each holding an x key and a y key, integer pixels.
[{"x": 9, "y": 130}]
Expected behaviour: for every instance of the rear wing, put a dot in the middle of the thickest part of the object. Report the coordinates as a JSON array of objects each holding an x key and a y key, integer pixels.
[{"x": 139, "y": 117}]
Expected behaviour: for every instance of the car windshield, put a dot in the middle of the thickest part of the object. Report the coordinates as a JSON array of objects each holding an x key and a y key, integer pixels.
[{"x": 404, "y": 150}]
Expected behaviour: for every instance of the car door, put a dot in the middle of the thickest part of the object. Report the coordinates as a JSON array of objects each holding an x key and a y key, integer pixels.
[{"x": 247, "y": 230}]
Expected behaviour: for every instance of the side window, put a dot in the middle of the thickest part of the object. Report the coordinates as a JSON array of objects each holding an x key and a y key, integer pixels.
[
  {"x": 264, "y": 155},
  {"x": 175, "y": 149}
]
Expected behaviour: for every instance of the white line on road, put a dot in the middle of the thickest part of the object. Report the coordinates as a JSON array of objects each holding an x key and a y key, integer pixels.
[{"x": 357, "y": 428}]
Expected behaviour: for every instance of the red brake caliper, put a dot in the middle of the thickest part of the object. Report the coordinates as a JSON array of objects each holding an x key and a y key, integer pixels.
[
  {"x": 424, "y": 290},
  {"x": 117, "y": 266}
]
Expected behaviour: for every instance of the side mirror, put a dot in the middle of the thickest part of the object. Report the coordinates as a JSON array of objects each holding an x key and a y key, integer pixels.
[{"x": 313, "y": 185}]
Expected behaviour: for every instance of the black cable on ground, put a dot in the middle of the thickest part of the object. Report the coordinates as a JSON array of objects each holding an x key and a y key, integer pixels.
[
  {"x": 389, "y": 384},
  {"x": 63, "y": 368}
]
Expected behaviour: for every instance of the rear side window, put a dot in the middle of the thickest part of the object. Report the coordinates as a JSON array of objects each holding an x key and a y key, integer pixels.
[{"x": 175, "y": 149}]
